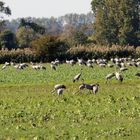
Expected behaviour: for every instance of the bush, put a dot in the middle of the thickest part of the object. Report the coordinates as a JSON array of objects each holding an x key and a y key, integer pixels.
[{"x": 49, "y": 47}]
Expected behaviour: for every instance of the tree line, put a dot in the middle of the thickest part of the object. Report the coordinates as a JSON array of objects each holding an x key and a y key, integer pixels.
[
  {"x": 113, "y": 22},
  {"x": 55, "y": 26}
]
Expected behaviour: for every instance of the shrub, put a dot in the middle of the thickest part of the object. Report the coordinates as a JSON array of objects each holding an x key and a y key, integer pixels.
[{"x": 49, "y": 47}]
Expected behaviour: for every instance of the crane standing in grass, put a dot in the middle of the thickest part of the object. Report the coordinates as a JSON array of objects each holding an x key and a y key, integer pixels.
[
  {"x": 91, "y": 87},
  {"x": 59, "y": 88},
  {"x": 119, "y": 77},
  {"x": 53, "y": 66},
  {"x": 95, "y": 88},
  {"x": 60, "y": 91},
  {"x": 77, "y": 77},
  {"x": 109, "y": 76},
  {"x": 137, "y": 74}
]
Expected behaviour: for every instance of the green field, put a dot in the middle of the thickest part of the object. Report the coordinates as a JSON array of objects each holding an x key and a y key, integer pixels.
[{"x": 29, "y": 111}]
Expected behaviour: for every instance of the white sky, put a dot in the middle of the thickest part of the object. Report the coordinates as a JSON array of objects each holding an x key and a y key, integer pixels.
[{"x": 46, "y": 8}]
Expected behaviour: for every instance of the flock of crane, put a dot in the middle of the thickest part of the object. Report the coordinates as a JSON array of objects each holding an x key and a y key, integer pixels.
[{"x": 120, "y": 65}]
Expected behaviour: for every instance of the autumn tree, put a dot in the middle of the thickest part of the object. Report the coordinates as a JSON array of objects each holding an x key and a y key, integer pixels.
[
  {"x": 27, "y": 32},
  {"x": 49, "y": 46},
  {"x": 116, "y": 21}
]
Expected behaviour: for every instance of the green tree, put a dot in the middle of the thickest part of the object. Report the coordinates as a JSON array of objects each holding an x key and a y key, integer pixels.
[
  {"x": 79, "y": 37},
  {"x": 35, "y": 27},
  {"x": 48, "y": 46},
  {"x": 4, "y": 10},
  {"x": 27, "y": 32},
  {"x": 67, "y": 34},
  {"x": 25, "y": 36},
  {"x": 116, "y": 21},
  {"x": 74, "y": 36},
  {"x": 7, "y": 40}
]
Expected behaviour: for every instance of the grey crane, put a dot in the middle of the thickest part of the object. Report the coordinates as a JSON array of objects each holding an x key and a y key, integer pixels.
[
  {"x": 53, "y": 66},
  {"x": 110, "y": 65},
  {"x": 89, "y": 65},
  {"x": 81, "y": 61},
  {"x": 84, "y": 86},
  {"x": 95, "y": 88},
  {"x": 137, "y": 74},
  {"x": 60, "y": 91},
  {"x": 118, "y": 76},
  {"x": 77, "y": 77},
  {"x": 123, "y": 69},
  {"x": 109, "y": 76},
  {"x": 4, "y": 67},
  {"x": 58, "y": 86},
  {"x": 91, "y": 87}
]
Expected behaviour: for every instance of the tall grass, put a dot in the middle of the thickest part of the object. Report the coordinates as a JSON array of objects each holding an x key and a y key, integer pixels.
[
  {"x": 104, "y": 51},
  {"x": 86, "y": 51}
]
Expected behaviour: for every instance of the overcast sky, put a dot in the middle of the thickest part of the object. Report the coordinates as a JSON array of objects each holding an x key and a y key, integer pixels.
[{"x": 47, "y": 8}]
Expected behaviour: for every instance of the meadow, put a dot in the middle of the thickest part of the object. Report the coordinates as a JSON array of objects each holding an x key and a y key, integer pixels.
[{"x": 29, "y": 111}]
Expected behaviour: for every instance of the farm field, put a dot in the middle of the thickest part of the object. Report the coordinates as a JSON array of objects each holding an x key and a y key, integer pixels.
[{"x": 29, "y": 111}]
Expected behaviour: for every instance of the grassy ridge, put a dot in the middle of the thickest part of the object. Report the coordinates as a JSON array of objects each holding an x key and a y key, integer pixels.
[{"x": 28, "y": 111}]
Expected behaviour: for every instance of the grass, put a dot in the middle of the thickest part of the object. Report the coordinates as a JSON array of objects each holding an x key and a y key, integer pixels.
[{"x": 29, "y": 111}]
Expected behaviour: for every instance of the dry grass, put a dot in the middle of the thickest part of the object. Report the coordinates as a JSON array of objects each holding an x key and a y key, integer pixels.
[{"x": 92, "y": 51}]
